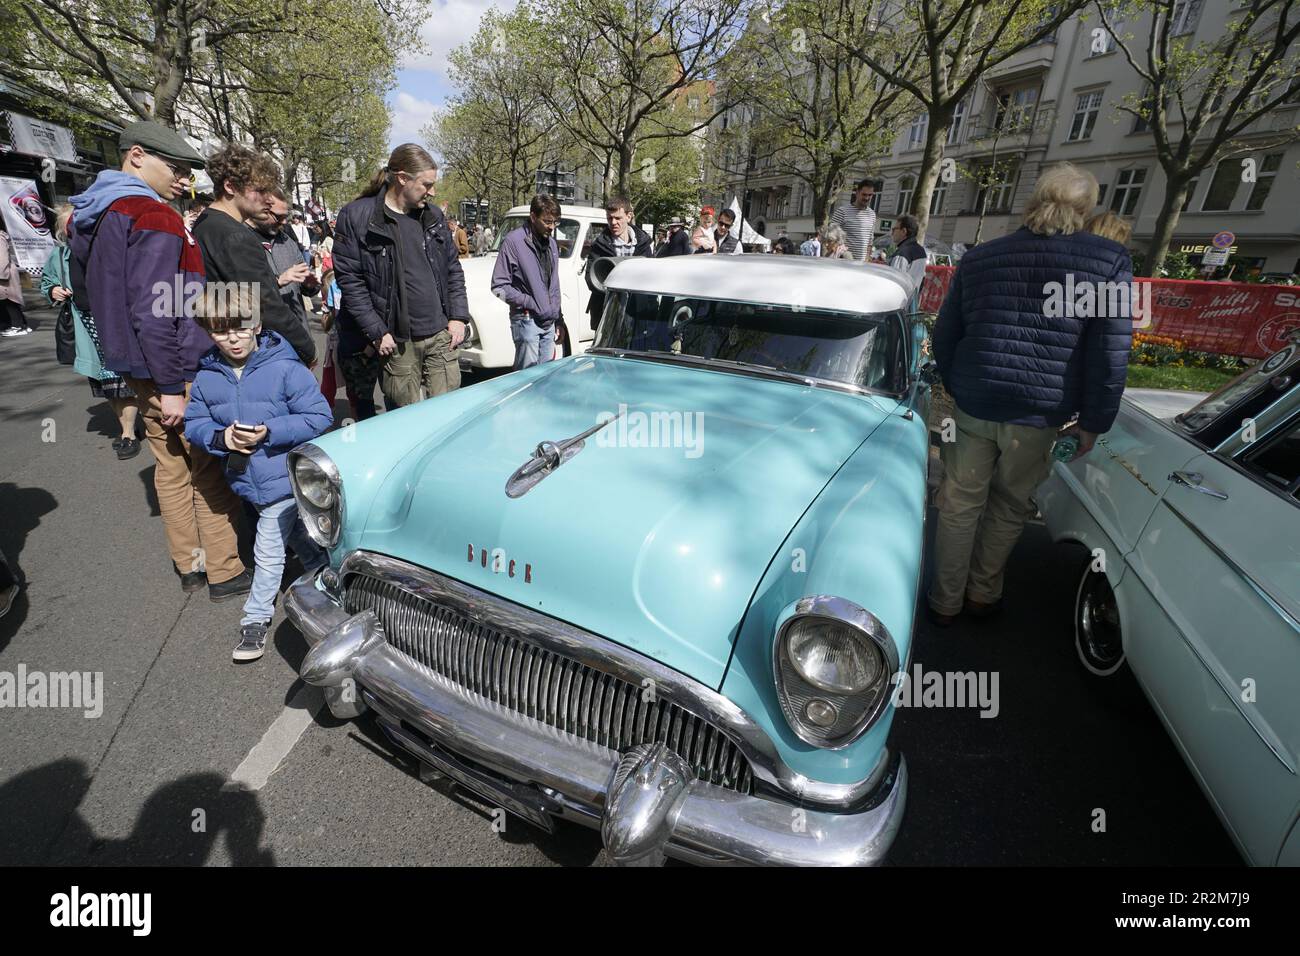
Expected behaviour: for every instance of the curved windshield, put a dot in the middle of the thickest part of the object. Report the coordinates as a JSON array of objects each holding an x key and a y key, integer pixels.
[
  {"x": 1221, "y": 413},
  {"x": 566, "y": 231},
  {"x": 866, "y": 351}
]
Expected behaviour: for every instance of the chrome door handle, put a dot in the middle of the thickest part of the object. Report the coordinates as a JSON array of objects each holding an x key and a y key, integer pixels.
[{"x": 1192, "y": 479}]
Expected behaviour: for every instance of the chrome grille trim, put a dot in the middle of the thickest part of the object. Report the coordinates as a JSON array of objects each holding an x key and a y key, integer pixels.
[{"x": 551, "y": 688}]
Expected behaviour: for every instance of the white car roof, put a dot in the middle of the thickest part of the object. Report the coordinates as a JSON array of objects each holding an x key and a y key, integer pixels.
[
  {"x": 814, "y": 283},
  {"x": 566, "y": 211}
]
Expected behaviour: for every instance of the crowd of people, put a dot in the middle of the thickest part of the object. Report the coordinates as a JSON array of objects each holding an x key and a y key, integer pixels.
[{"x": 196, "y": 327}]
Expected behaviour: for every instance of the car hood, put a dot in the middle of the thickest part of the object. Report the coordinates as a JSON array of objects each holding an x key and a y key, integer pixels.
[{"x": 657, "y": 548}]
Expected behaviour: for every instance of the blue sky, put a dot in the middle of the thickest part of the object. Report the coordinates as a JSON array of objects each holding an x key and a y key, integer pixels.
[{"x": 423, "y": 84}]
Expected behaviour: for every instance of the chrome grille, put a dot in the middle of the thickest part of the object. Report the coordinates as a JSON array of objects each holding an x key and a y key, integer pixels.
[{"x": 548, "y": 687}]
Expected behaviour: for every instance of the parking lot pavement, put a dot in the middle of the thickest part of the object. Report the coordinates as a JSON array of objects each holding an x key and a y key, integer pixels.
[{"x": 153, "y": 778}]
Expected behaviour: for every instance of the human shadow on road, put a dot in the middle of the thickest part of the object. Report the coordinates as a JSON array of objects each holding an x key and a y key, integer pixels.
[
  {"x": 150, "y": 492},
  {"x": 178, "y": 825},
  {"x": 21, "y": 510}
]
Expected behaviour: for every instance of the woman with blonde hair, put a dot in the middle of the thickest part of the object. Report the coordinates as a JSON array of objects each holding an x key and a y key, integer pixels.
[
  {"x": 1111, "y": 226},
  {"x": 1019, "y": 362},
  {"x": 57, "y": 289}
]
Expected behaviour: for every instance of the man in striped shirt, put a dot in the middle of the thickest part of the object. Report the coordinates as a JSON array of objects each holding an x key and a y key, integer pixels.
[{"x": 858, "y": 220}]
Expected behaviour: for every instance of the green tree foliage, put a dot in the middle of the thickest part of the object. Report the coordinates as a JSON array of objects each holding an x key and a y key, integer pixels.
[{"x": 937, "y": 50}]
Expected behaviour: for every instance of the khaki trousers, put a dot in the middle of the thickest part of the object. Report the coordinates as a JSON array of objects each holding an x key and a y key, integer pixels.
[
  {"x": 420, "y": 369},
  {"x": 199, "y": 510},
  {"x": 989, "y": 472}
]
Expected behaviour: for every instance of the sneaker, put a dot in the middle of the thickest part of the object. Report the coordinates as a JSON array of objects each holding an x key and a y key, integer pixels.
[
  {"x": 128, "y": 448},
  {"x": 28, "y": 330},
  {"x": 252, "y": 642},
  {"x": 191, "y": 580},
  {"x": 231, "y": 589},
  {"x": 11, "y": 332}
]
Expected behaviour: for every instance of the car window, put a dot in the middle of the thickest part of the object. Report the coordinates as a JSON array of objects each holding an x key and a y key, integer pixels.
[
  {"x": 1220, "y": 415},
  {"x": 1277, "y": 461},
  {"x": 865, "y": 350},
  {"x": 566, "y": 232}
]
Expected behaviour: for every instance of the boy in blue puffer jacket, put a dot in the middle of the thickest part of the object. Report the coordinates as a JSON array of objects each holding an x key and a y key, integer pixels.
[{"x": 251, "y": 402}]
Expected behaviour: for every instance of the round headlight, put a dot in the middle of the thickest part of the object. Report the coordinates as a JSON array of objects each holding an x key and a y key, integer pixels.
[
  {"x": 314, "y": 484},
  {"x": 832, "y": 657}
]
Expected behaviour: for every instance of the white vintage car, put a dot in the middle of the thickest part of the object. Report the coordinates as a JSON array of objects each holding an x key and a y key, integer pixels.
[
  {"x": 490, "y": 345},
  {"x": 1192, "y": 576}
]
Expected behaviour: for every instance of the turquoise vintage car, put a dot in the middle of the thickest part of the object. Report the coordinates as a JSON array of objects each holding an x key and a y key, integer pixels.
[
  {"x": 661, "y": 588},
  {"x": 1191, "y": 581}
]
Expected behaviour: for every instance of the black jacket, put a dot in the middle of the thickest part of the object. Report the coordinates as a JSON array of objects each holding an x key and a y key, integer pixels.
[
  {"x": 677, "y": 244},
  {"x": 233, "y": 253},
  {"x": 368, "y": 270},
  {"x": 603, "y": 245}
]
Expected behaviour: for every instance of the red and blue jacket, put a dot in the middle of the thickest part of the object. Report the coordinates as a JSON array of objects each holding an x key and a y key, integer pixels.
[{"x": 138, "y": 271}]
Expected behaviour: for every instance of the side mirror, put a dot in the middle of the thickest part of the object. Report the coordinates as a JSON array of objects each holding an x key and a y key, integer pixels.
[{"x": 929, "y": 373}]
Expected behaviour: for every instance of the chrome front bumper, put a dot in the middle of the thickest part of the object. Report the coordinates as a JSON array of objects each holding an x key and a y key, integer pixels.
[{"x": 646, "y": 804}]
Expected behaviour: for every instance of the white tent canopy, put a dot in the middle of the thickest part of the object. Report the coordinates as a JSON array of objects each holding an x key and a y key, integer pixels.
[{"x": 746, "y": 235}]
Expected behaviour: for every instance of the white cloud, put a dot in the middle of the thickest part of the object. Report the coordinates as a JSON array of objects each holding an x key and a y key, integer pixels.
[
  {"x": 453, "y": 22},
  {"x": 410, "y": 115}
]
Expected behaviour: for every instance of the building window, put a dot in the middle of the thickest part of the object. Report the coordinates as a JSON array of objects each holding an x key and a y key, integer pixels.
[
  {"x": 1086, "y": 108},
  {"x": 958, "y": 122},
  {"x": 1184, "y": 18},
  {"x": 916, "y": 134},
  {"x": 1128, "y": 189},
  {"x": 1147, "y": 105},
  {"x": 1264, "y": 180},
  {"x": 1000, "y": 192},
  {"x": 906, "y": 188},
  {"x": 1191, "y": 191},
  {"x": 1101, "y": 194},
  {"x": 1015, "y": 109},
  {"x": 1223, "y": 187},
  {"x": 1099, "y": 44},
  {"x": 937, "y": 197}
]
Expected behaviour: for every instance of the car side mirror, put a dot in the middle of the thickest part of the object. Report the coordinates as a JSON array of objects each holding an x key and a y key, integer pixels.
[{"x": 929, "y": 373}]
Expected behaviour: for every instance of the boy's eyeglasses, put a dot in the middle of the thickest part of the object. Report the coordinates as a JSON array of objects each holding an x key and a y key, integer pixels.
[
  {"x": 237, "y": 333},
  {"x": 176, "y": 170}
]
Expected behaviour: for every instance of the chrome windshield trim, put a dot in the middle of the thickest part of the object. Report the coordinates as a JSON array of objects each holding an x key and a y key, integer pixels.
[
  {"x": 755, "y": 371},
  {"x": 605, "y": 655}
]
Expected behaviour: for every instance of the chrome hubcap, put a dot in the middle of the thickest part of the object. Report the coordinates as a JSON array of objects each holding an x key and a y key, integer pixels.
[{"x": 1098, "y": 623}]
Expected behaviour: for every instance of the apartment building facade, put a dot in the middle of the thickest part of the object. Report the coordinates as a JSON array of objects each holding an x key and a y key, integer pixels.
[{"x": 1057, "y": 101}]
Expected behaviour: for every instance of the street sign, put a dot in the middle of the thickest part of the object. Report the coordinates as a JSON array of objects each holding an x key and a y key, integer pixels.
[
  {"x": 1224, "y": 239},
  {"x": 1215, "y": 257}
]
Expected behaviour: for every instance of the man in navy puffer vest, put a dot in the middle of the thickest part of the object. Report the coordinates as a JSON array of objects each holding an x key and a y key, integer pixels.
[{"x": 1036, "y": 328}]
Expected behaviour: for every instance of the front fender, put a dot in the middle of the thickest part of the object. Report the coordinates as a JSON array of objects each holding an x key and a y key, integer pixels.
[
  {"x": 373, "y": 455},
  {"x": 862, "y": 539}
]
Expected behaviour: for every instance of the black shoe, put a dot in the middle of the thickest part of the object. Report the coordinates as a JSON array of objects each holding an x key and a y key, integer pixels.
[
  {"x": 191, "y": 580},
  {"x": 128, "y": 448},
  {"x": 937, "y": 619},
  {"x": 117, "y": 443},
  {"x": 233, "y": 588},
  {"x": 252, "y": 642},
  {"x": 980, "y": 609}
]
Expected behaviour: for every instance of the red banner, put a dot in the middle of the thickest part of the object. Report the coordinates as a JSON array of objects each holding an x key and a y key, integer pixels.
[{"x": 1226, "y": 318}]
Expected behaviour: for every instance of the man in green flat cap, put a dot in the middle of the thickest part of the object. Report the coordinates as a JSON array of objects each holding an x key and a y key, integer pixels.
[{"x": 135, "y": 270}]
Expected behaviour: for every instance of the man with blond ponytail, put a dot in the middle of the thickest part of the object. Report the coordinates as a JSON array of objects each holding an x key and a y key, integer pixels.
[
  {"x": 1020, "y": 363},
  {"x": 398, "y": 269}
]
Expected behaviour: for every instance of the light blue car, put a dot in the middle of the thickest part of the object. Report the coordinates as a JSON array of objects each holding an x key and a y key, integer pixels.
[
  {"x": 661, "y": 588},
  {"x": 1189, "y": 576}
]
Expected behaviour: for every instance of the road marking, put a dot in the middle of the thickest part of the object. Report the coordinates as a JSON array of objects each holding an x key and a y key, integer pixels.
[{"x": 265, "y": 758}]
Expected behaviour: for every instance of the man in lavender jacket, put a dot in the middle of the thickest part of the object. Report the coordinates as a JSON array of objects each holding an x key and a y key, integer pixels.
[{"x": 527, "y": 278}]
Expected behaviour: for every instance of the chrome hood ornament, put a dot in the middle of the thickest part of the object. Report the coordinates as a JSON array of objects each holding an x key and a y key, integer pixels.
[{"x": 547, "y": 457}]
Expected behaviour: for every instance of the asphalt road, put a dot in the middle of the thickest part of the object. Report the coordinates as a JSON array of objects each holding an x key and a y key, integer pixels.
[{"x": 195, "y": 760}]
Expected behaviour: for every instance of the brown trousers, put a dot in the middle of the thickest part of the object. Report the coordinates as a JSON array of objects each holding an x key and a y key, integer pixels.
[
  {"x": 199, "y": 510},
  {"x": 989, "y": 472}
]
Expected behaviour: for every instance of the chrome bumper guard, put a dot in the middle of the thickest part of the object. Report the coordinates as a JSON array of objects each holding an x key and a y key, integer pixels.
[{"x": 646, "y": 803}]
